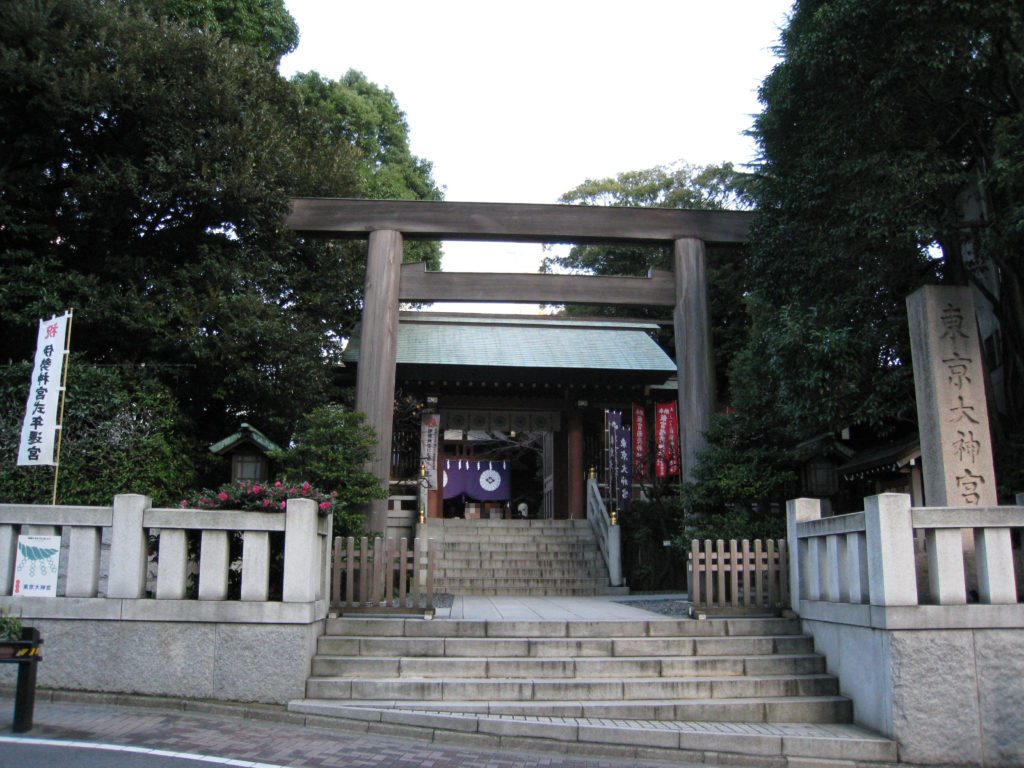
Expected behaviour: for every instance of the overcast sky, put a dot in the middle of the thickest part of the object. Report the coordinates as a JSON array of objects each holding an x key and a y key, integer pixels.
[{"x": 520, "y": 102}]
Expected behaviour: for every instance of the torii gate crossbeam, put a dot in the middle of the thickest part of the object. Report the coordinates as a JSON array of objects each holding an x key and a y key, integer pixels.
[{"x": 388, "y": 222}]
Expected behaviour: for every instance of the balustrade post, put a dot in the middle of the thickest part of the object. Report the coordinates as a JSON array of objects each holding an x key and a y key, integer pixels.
[
  {"x": 994, "y": 552},
  {"x": 301, "y": 571},
  {"x": 615, "y": 555},
  {"x": 255, "y": 565},
  {"x": 214, "y": 553},
  {"x": 83, "y": 561},
  {"x": 128, "y": 547},
  {"x": 857, "y": 567},
  {"x": 799, "y": 511},
  {"x": 837, "y": 584},
  {"x": 8, "y": 551},
  {"x": 172, "y": 570},
  {"x": 892, "y": 571},
  {"x": 946, "y": 581}
]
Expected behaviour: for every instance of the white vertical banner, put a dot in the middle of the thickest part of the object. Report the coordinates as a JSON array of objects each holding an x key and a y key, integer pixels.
[
  {"x": 428, "y": 448},
  {"x": 39, "y": 429}
]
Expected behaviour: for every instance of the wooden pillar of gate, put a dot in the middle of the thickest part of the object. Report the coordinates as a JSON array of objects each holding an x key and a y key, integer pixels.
[
  {"x": 694, "y": 356},
  {"x": 378, "y": 354},
  {"x": 577, "y": 478}
]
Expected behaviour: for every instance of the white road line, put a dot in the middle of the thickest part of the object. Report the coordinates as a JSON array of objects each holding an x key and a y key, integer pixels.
[{"x": 139, "y": 750}]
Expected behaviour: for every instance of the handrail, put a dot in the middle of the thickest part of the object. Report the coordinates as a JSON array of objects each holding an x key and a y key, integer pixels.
[{"x": 609, "y": 537}]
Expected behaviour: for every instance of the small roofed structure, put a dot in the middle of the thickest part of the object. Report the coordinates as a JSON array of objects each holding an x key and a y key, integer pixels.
[{"x": 248, "y": 449}]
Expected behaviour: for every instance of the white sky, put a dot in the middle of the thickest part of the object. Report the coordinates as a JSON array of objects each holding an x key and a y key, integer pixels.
[{"x": 520, "y": 102}]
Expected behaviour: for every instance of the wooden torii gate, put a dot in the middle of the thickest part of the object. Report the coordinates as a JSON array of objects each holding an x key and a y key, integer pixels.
[{"x": 387, "y": 223}]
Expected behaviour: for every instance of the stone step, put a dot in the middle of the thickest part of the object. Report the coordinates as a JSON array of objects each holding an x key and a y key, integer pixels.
[
  {"x": 564, "y": 667},
  {"x": 537, "y": 591},
  {"x": 526, "y": 546},
  {"x": 524, "y": 647},
  {"x": 593, "y": 689},
  {"x": 355, "y": 626},
  {"x": 775, "y": 744},
  {"x": 534, "y": 559},
  {"x": 513, "y": 537},
  {"x": 499, "y": 583},
  {"x": 487, "y": 523},
  {"x": 780, "y": 709},
  {"x": 500, "y": 571}
]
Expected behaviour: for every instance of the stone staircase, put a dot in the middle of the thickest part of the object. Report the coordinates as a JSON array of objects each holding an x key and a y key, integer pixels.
[
  {"x": 518, "y": 557},
  {"x": 730, "y": 691}
]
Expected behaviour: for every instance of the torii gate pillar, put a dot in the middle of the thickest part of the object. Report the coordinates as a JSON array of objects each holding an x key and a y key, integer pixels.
[
  {"x": 378, "y": 355},
  {"x": 694, "y": 355}
]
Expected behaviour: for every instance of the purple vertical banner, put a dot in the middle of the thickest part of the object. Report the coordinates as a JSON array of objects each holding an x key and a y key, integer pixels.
[
  {"x": 612, "y": 426},
  {"x": 624, "y": 462}
]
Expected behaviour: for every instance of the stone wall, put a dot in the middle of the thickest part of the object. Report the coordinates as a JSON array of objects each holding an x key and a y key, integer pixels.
[
  {"x": 948, "y": 696},
  {"x": 266, "y": 663}
]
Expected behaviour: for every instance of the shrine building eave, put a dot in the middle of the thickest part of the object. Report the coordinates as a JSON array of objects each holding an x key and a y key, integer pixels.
[{"x": 526, "y": 348}]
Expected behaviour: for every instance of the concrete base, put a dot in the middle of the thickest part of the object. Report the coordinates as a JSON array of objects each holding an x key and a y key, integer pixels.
[
  {"x": 948, "y": 696},
  {"x": 265, "y": 663}
]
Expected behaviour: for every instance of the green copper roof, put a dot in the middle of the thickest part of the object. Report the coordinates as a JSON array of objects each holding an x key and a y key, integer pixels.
[
  {"x": 528, "y": 341},
  {"x": 245, "y": 433}
]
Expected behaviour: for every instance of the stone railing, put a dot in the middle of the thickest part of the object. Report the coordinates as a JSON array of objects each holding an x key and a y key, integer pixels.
[
  {"x": 137, "y": 611},
  {"x": 108, "y": 554},
  {"x": 917, "y": 612},
  {"x": 609, "y": 536},
  {"x": 867, "y": 567}
]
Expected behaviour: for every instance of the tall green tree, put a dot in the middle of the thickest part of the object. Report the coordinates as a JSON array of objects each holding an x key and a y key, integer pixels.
[
  {"x": 883, "y": 120},
  {"x": 891, "y": 158},
  {"x": 264, "y": 25},
  {"x": 149, "y": 149},
  {"x": 354, "y": 111}
]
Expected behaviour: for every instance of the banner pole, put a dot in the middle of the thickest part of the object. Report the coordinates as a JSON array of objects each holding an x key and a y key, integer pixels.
[{"x": 63, "y": 395}]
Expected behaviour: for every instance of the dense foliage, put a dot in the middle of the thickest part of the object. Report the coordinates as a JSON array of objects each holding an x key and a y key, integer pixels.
[
  {"x": 150, "y": 147},
  {"x": 891, "y": 158},
  {"x": 330, "y": 448},
  {"x": 123, "y": 434}
]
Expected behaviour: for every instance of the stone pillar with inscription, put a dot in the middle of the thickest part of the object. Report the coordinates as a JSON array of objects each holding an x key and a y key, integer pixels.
[{"x": 956, "y": 446}]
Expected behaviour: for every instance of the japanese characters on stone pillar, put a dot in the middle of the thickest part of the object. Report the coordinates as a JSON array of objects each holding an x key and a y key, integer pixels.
[{"x": 956, "y": 447}]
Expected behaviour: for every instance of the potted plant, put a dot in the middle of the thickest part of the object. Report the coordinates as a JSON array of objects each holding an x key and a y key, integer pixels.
[{"x": 10, "y": 633}]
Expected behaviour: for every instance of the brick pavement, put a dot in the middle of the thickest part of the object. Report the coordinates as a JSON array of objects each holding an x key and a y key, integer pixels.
[{"x": 270, "y": 735}]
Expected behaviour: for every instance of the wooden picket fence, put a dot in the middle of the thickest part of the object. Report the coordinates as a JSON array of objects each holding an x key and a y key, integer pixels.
[
  {"x": 389, "y": 577},
  {"x": 743, "y": 577}
]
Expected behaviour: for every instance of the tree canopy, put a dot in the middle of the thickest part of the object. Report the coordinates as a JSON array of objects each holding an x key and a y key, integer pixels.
[
  {"x": 890, "y": 158},
  {"x": 679, "y": 185},
  {"x": 150, "y": 148}
]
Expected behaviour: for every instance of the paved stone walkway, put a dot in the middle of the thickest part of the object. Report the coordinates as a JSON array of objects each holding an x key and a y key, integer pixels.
[{"x": 256, "y": 737}]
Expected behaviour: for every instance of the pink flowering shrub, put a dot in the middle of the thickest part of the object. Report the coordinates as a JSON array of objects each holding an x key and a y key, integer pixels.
[{"x": 259, "y": 497}]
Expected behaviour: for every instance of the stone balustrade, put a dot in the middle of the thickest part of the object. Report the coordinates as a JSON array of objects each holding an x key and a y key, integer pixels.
[
  {"x": 132, "y": 529},
  {"x": 917, "y": 611},
  {"x": 137, "y": 612},
  {"x": 871, "y": 558}
]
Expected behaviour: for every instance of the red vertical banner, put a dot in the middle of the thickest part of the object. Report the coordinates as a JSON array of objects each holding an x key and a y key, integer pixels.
[
  {"x": 639, "y": 443},
  {"x": 666, "y": 438}
]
